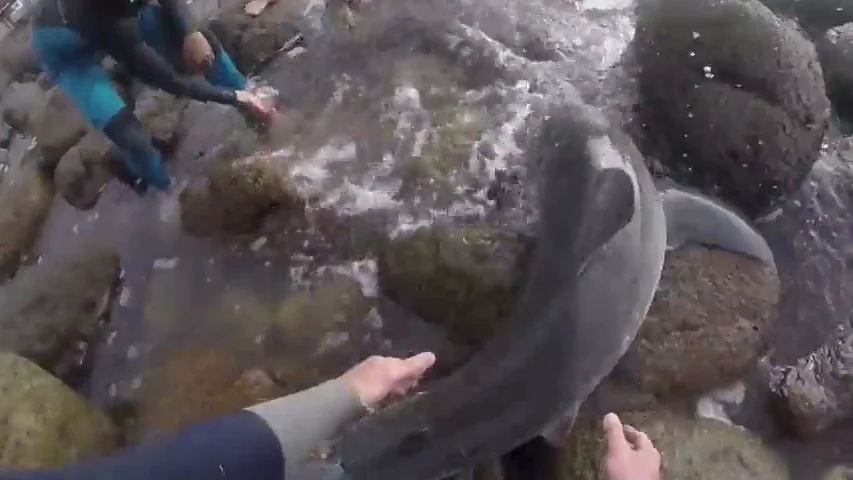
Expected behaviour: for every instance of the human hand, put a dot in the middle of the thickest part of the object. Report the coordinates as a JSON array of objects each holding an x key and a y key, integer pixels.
[
  {"x": 630, "y": 454},
  {"x": 198, "y": 54},
  {"x": 254, "y": 106},
  {"x": 378, "y": 377}
]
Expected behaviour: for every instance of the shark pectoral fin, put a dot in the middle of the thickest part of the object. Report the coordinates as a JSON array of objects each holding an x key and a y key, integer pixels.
[
  {"x": 611, "y": 209},
  {"x": 695, "y": 218}
]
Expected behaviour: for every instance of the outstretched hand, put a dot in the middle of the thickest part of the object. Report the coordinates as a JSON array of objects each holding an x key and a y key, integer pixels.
[
  {"x": 376, "y": 378},
  {"x": 630, "y": 454},
  {"x": 256, "y": 107}
]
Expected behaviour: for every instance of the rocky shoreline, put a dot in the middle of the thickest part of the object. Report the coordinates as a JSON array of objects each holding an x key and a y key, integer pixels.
[{"x": 276, "y": 276}]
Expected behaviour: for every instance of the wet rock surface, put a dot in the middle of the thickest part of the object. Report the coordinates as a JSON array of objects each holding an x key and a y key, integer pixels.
[
  {"x": 810, "y": 242},
  {"x": 416, "y": 120},
  {"x": 25, "y": 199},
  {"x": 835, "y": 48},
  {"x": 17, "y": 56},
  {"x": 51, "y": 312},
  {"x": 84, "y": 170},
  {"x": 45, "y": 423},
  {"x": 708, "y": 323},
  {"x": 236, "y": 195},
  {"x": 732, "y": 98},
  {"x": 691, "y": 448},
  {"x": 817, "y": 391},
  {"x": 254, "y": 41},
  {"x": 465, "y": 280}
]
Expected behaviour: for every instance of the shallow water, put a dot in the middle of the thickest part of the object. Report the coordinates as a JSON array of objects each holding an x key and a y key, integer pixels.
[{"x": 363, "y": 154}]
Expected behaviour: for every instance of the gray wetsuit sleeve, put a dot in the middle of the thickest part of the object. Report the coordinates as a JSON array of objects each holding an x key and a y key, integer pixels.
[{"x": 304, "y": 419}]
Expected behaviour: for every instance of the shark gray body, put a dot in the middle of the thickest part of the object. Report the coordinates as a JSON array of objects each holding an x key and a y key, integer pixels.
[{"x": 601, "y": 244}]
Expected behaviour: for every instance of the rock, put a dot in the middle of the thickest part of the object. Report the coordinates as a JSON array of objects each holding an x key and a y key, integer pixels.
[
  {"x": 467, "y": 281},
  {"x": 236, "y": 195},
  {"x": 20, "y": 102},
  {"x": 697, "y": 449},
  {"x": 318, "y": 334},
  {"x": 838, "y": 473},
  {"x": 707, "y": 325},
  {"x": 84, "y": 171},
  {"x": 836, "y": 59},
  {"x": 732, "y": 100},
  {"x": 811, "y": 242},
  {"x": 25, "y": 200},
  {"x": 17, "y": 56},
  {"x": 816, "y": 392},
  {"x": 193, "y": 384},
  {"x": 53, "y": 310},
  {"x": 815, "y": 16},
  {"x": 58, "y": 127},
  {"x": 44, "y": 423},
  {"x": 252, "y": 41},
  {"x": 163, "y": 115}
]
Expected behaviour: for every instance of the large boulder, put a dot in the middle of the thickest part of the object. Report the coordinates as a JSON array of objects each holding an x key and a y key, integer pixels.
[
  {"x": 732, "y": 98},
  {"x": 708, "y": 323},
  {"x": 45, "y": 424},
  {"x": 20, "y": 102},
  {"x": 17, "y": 55},
  {"x": 253, "y": 41},
  {"x": 835, "y": 48},
  {"x": 52, "y": 311},
  {"x": 465, "y": 280},
  {"x": 84, "y": 171},
  {"x": 815, "y": 16},
  {"x": 810, "y": 237},
  {"x": 25, "y": 199},
  {"x": 235, "y": 196},
  {"x": 697, "y": 449},
  {"x": 57, "y": 127},
  {"x": 815, "y": 392}
]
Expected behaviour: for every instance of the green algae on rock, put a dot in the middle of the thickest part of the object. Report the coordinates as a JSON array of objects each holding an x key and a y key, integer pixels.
[
  {"x": 193, "y": 384},
  {"x": 692, "y": 449},
  {"x": 43, "y": 423},
  {"x": 466, "y": 280},
  {"x": 51, "y": 309},
  {"x": 236, "y": 195},
  {"x": 313, "y": 334},
  {"x": 707, "y": 325}
]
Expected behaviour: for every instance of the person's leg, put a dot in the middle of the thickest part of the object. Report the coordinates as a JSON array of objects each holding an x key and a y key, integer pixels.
[
  {"x": 157, "y": 33},
  {"x": 77, "y": 70}
]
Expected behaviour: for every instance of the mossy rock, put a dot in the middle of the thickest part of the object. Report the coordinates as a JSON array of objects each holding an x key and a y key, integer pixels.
[
  {"x": 45, "y": 424},
  {"x": 838, "y": 473},
  {"x": 194, "y": 384},
  {"x": 466, "y": 280},
  {"x": 446, "y": 152},
  {"x": 315, "y": 335},
  {"x": 692, "y": 449}
]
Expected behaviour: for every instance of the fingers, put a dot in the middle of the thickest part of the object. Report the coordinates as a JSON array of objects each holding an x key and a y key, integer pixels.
[
  {"x": 410, "y": 370},
  {"x": 614, "y": 433},
  {"x": 638, "y": 440}
]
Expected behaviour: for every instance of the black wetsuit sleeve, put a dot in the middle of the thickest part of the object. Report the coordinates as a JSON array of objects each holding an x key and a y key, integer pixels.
[
  {"x": 121, "y": 39},
  {"x": 239, "y": 446},
  {"x": 179, "y": 15}
]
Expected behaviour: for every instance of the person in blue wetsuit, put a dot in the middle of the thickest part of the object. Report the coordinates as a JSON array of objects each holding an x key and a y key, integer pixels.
[
  {"x": 153, "y": 42},
  {"x": 268, "y": 441}
]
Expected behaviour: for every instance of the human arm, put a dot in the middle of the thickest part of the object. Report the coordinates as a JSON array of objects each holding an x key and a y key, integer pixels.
[
  {"x": 121, "y": 39},
  {"x": 259, "y": 443}
]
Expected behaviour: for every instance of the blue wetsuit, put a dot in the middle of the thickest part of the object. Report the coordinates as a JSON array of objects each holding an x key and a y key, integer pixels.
[
  {"x": 73, "y": 36},
  {"x": 250, "y": 445}
]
